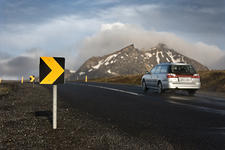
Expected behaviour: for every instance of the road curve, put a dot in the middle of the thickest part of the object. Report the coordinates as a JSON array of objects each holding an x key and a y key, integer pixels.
[{"x": 185, "y": 122}]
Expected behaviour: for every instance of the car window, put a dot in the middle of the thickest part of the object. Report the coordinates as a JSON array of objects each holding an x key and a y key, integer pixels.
[
  {"x": 163, "y": 69},
  {"x": 158, "y": 69},
  {"x": 182, "y": 69},
  {"x": 153, "y": 70}
]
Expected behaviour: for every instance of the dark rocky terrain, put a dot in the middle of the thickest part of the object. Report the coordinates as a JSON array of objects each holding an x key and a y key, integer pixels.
[
  {"x": 26, "y": 123},
  {"x": 131, "y": 60}
]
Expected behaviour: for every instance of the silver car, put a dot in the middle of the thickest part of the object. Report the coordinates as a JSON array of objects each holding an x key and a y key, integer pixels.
[{"x": 166, "y": 76}]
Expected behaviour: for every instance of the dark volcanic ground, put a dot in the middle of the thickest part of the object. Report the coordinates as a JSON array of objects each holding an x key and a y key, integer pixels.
[{"x": 26, "y": 123}]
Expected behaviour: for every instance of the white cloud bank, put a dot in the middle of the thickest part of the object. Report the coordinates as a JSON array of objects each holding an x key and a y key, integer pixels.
[
  {"x": 115, "y": 36},
  {"x": 24, "y": 65},
  {"x": 21, "y": 45},
  {"x": 55, "y": 34}
]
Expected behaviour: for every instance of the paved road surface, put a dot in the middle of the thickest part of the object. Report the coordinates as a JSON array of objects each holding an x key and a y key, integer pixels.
[{"x": 186, "y": 122}]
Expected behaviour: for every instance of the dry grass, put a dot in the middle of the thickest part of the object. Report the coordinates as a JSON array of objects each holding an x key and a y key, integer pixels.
[
  {"x": 126, "y": 79},
  {"x": 211, "y": 80},
  {"x": 4, "y": 90}
]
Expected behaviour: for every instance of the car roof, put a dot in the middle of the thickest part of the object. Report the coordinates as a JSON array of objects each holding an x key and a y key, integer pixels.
[{"x": 177, "y": 63}]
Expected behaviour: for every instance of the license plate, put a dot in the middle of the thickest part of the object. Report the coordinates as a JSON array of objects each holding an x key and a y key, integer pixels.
[{"x": 185, "y": 79}]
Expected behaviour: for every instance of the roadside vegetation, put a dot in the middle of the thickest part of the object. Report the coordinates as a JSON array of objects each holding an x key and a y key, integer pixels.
[
  {"x": 126, "y": 79},
  {"x": 211, "y": 80},
  {"x": 4, "y": 90}
]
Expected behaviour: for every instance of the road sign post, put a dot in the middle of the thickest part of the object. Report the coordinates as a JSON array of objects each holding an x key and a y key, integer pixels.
[
  {"x": 52, "y": 72},
  {"x": 54, "y": 106}
]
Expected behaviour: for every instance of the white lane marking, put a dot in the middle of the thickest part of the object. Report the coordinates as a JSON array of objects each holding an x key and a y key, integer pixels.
[
  {"x": 205, "y": 101},
  {"x": 112, "y": 89},
  {"x": 180, "y": 98},
  {"x": 211, "y": 97},
  {"x": 219, "y": 128},
  {"x": 206, "y": 109}
]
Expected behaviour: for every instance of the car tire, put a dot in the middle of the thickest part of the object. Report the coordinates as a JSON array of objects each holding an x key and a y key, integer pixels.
[
  {"x": 160, "y": 88},
  {"x": 144, "y": 87},
  {"x": 191, "y": 92}
]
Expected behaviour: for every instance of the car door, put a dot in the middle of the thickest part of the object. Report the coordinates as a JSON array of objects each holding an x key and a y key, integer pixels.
[
  {"x": 148, "y": 77},
  {"x": 163, "y": 74},
  {"x": 155, "y": 76}
]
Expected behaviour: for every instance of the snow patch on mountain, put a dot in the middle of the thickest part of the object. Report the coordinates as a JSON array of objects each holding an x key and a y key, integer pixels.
[
  {"x": 162, "y": 54},
  {"x": 182, "y": 58},
  {"x": 110, "y": 57},
  {"x": 99, "y": 64},
  {"x": 148, "y": 55},
  {"x": 105, "y": 61},
  {"x": 157, "y": 57},
  {"x": 172, "y": 57}
]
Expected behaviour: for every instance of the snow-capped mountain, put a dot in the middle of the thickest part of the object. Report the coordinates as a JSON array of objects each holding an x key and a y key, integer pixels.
[{"x": 130, "y": 60}]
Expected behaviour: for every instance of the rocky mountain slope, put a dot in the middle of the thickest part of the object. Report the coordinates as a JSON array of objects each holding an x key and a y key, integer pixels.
[{"x": 130, "y": 60}]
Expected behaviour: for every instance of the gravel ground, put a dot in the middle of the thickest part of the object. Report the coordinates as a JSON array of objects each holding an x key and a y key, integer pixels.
[{"x": 26, "y": 123}]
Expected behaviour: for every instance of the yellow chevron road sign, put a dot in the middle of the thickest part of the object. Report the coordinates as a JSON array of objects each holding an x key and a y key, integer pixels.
[
  {"x": 32, "y": 78},
  {"x": 51, "y": 70}
]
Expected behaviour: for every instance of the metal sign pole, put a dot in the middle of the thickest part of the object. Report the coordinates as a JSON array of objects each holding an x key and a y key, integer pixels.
[{"x": 54, "y": 106}]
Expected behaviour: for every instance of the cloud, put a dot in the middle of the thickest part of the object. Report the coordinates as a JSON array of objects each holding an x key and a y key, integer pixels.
[
  {"x": 115, "y": 36},
  {"x": 56, "y": 34},
  {"x": 58, "y": 37},
  {"x": 24, "y": 65},
  {"x": 194, "y": 21},
  {"x": 4, "y": 55}
]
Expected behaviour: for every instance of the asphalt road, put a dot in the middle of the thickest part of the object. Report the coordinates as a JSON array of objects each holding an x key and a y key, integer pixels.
[{"x": 185, "y": 122}]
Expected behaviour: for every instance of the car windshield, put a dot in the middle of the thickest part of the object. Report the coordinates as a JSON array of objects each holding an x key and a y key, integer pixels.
[{"x": 182, "y": 69}]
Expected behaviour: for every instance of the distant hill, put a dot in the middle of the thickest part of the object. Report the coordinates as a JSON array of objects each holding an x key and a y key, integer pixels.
[{"x": 131, "y": 60}]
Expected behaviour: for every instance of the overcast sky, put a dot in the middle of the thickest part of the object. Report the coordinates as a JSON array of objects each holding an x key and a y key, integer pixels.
[{"x": 30, "y": 28}]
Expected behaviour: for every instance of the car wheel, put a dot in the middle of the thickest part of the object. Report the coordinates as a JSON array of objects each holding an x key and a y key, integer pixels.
[
  {"x": 144, "y": 87},
  {"x": 160, "y": 88},
  {"x": 191, "y": 92}
]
